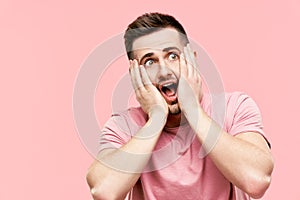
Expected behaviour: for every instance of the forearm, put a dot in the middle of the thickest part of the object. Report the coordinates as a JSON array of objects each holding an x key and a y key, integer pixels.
[
  {"x": 125, "y": 164},
  {"x": 243, "y": 163}
]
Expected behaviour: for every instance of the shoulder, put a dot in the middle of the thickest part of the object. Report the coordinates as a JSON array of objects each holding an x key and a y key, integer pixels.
[
  {"x": 230, "y": 107},
  {"x": 210, "y": 100},
  {"x": 228, "y": 100},
  {"x": 135, "y": 114},
  {"x": 241, "y": 102},
  {"x": 237, "y": 97},
  {"x": 130, "y": 119}
]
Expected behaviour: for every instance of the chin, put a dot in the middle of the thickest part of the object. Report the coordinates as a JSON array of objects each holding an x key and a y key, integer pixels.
[{"x": 174, "y": 109}]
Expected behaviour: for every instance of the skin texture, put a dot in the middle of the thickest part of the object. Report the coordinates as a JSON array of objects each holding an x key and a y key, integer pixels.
[{"x": 248, "y": 163}]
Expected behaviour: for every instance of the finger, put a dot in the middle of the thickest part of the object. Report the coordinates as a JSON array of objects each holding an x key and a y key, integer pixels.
[
  {"x": 131, "y": 72},
  {"x": 190, "y": 70},
  {"x": 192, "y": 55},
  {"x": 132, "y": 76},
  {"x": 182, "y": 66},
  {"x": 145, "y": 78},
  {"x": 193, "y": 61},
  {"x": 187, "y": 54},
  {"x": 136, "y": 76}
]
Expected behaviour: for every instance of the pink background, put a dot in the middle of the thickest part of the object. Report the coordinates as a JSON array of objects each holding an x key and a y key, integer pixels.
[{"x": 254, "y": 44}]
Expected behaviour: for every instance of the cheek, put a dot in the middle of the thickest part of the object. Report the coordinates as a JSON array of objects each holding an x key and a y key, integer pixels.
[
  {"x": 175, "y": 68},
  {"x": 151, "y": 74}
]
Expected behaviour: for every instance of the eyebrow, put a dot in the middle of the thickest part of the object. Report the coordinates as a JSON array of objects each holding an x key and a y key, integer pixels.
[
  {"x": 164, "y": 50},
  {"x": 146, "y": 56},
  {"x": 171, "y": 48}
]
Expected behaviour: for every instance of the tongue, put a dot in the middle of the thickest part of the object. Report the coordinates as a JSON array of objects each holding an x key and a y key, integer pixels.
[{"x": 169, "y": 91}]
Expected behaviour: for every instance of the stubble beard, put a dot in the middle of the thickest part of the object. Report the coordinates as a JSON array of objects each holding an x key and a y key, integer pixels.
[{"x": 174, "y": 109}]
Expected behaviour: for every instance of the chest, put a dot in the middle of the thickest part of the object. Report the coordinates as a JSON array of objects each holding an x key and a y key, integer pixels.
[{"x": 184, "y": 173}]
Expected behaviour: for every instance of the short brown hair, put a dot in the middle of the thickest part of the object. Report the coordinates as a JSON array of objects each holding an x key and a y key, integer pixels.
[{"x": 149, "y": 23}]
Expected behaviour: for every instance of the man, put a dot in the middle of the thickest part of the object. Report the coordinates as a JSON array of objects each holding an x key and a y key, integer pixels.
[{"x": 152, "y": 152}]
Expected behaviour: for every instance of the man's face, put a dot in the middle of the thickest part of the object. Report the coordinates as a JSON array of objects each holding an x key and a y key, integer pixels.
[{"x": 160, "y": 52}]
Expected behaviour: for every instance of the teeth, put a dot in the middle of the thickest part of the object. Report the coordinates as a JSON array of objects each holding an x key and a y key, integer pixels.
[{"x": 168, "y": 84}]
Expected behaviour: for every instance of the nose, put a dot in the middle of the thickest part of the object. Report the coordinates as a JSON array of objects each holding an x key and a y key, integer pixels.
[{"x": 163, "y": 70}]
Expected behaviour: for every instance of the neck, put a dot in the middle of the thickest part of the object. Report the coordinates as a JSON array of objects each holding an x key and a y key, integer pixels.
[{"x": 175, "y": 120}]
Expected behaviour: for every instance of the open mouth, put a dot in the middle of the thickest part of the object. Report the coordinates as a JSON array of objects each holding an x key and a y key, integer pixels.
[{"x": 169, "y": 91}]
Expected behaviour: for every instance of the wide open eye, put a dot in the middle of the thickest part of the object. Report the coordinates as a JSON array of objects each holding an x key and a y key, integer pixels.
[
  {"x": 148, "y": 63},
  {"x": 173, "y": 56}
]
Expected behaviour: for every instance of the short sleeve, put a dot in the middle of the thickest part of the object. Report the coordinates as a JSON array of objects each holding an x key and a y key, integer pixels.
[
  {"x": 246, "y": 115},
  {"x": 115, "y": 133},
  {"x": 121, "y": 127}
]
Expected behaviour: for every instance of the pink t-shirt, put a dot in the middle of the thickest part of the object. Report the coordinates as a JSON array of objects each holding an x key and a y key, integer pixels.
[{"x": 176, "y": 169}]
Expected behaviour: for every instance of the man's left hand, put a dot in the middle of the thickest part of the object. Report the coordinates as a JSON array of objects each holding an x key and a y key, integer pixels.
[{"x": 190, "y": 84}]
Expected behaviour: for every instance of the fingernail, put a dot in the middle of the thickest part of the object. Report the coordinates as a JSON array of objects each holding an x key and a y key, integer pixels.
[{"x": 93, "y": 191}]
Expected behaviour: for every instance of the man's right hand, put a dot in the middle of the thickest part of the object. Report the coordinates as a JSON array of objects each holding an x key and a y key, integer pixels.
[
  {"x": 106, "y": 176},
  {"x": 147, "y": 94},
  {"x": 108, "y": 181}
]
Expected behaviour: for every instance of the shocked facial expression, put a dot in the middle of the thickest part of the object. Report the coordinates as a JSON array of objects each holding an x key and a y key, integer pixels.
[{"x": 159, "y": 52}]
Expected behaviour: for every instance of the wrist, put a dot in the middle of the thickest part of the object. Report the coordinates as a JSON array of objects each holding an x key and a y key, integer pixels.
[
  {"x": 196, "y": 117},
  {"x": 152, "y": 129},
  {"x": 157, "y": 112},
  {"x": 157, "y": 119},
  {"x": 192, "y": 111}
]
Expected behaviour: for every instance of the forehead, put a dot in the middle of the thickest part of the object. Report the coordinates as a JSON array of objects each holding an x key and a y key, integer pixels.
[{"x": 157, "y": 41}]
